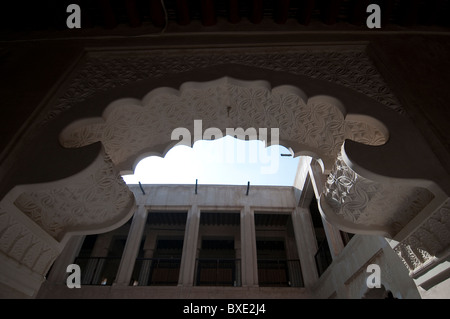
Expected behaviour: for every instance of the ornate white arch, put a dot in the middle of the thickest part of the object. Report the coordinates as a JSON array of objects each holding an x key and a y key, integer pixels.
[
  {"x": 318, "y": 125},
  {"x": 354, "y": 199}
]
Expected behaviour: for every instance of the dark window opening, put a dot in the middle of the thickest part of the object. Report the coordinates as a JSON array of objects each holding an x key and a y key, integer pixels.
[
  {"x": 217, "y": 264},
  {"x": 277, "y": 258}
]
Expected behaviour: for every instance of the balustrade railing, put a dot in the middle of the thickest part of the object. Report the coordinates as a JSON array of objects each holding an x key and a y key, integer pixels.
[
  {"x": 208, "y": 271},
  {"x": 156, "y": 272},
  {"x": 218, "y": 272},
  {"x": 98, "y": 270},
  {"x": 279, "y": 273}
]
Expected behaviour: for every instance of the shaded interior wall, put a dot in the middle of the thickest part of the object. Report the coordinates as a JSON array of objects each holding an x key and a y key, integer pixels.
[
  {"x": 348, "y": 275},
  {"x": 416, "y": 69}
]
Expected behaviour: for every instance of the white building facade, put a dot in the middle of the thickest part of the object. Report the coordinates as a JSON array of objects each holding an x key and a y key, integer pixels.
[{"x": 203, "y": 241}]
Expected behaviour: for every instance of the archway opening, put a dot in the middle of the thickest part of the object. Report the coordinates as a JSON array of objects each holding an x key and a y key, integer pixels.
[{"x": 224, "y": 161}]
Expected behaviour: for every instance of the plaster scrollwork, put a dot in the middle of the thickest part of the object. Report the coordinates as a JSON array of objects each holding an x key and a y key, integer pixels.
[
  {"x": 367, "y": 204},
  {"x": 93, "y": 201},
  {"x": 427, "y": 242},
  {"x": 130, "y": 126},
  {"x": 23, "y": 245},
  {"x": 365, "y": 130},
  {"x": 37, "y": 220},
  {"x": 350, "y": 67}
]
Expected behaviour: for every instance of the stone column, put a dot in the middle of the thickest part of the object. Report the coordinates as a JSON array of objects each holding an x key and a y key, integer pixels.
[
  {"x": 249, "y": 263},
  {"x": 333, "y": 234},
  {"x": 94, "y": 266},
  {"x": 189, "y": 255},
  {"x": 149, "y": 249},
  {"x": 58, "y": 273},
  {"x": 101, "y": 246},
  {"x": 306, "y": 244},
  {"x": 132, "y": 245}
]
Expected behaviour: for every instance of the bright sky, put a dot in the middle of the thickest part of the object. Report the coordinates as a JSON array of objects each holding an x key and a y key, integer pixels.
[{"x": 225, "y": 161}]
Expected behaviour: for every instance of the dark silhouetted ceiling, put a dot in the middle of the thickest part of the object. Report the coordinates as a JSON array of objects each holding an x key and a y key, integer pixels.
[{"x": 51, "y": 14}]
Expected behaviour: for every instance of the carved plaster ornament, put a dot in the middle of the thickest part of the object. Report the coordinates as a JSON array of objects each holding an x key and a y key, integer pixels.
[{"x": 318, "y": 125}]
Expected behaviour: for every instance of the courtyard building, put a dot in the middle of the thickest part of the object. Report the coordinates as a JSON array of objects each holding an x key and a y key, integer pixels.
[{"x": 364, "y": 109}]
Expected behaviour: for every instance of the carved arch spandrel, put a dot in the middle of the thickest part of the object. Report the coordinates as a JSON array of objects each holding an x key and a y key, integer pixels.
[
  {"x": 95, "y": 200},
  {"x": 25, "y": 243},
  {"x": 357, "y": 204},
  {"x": 37, "y": 220}
]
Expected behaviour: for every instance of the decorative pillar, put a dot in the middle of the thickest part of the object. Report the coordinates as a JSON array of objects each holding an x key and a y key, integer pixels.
[
  {"x": 189, "y": 255},
  {"x": 132, "y": 245},
  {"x": 333, "y": 234},
  {"x": 306, "y": 244},
  {"x": 249, "y": 263}
]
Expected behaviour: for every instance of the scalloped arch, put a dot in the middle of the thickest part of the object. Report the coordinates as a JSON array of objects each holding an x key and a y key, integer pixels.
[{"x": 316, "y": 125}]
